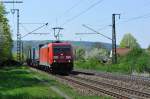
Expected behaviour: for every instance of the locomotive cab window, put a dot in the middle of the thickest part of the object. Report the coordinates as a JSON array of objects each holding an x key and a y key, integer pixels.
[{"x": 62, "y": 49}]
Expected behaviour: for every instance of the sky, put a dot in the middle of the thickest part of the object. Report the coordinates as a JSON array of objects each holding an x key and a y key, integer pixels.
[{"x": 72, "y": 14}]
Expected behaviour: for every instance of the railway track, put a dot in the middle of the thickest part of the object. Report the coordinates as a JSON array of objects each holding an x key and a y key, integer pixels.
[
  {"x": 115, "y": 91},
  {"x": 90, "y": 86},
  {"x": 145, "y": 81},
  {"x": 120, "y": 88},
  {"x": 95, "y": 88}
]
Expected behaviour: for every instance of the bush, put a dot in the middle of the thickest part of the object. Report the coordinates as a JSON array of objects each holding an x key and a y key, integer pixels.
[
  {"x": 79, "y": 54},
  {"x": 136, "y": 60},
  {"x": 88, "y": 64},
  {"x": 9, "y": 63}
]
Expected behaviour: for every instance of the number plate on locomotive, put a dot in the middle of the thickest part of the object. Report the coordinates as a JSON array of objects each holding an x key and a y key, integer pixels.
[{"x": 62, "y": 57}]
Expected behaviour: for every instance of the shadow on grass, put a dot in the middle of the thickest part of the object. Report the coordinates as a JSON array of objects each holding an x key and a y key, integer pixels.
[
  {"x": 11, "y": 79},
  {"x": 26, "y": 96}
]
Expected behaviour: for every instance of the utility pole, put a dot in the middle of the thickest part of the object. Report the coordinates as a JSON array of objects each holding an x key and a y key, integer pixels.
[
  {"x": 114, "y": 54},
  {"x": 56, "y": 35},
  {"x": 18, "y": 36},
  {"x": 22, "y": 52},
  {"x": 113, "y": 39},
  {"x": 18, "y": 33}
]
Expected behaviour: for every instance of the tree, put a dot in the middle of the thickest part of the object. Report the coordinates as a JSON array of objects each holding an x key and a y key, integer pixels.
[
  {"x": 99, "y": 54},
  {"x": 79, "y": 53},
  {"x": 98, "y": 45},
  {"x": 148, "y": 48},
  {"x": 129, "y": 41},
  {"x": 5, "y": 37}
]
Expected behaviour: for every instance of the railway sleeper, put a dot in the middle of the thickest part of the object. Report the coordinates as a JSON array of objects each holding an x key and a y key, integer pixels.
[{"x": 131, "y": 91}]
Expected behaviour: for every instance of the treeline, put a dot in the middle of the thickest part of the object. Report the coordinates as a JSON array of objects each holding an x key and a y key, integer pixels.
[
  {"x": 100, "y": 54},
  {"x": 137, "y": 60},
  {"x": 6, "y": 42}
]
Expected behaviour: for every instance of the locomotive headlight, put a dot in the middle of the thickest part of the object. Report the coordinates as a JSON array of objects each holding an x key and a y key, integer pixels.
[
  {"x": 68, "y": 57},
  {"x": 69, "y": 61},
  {"x": 55, "y": 57},
  {"x": 54, "y": 61}
]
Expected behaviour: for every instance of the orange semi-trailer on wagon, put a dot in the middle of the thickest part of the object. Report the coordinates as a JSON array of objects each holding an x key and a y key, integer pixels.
[{"x": 56, "y": 56}]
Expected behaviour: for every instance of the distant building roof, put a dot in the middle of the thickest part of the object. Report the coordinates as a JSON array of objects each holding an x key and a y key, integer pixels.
[{"x": 121, "y": 51}]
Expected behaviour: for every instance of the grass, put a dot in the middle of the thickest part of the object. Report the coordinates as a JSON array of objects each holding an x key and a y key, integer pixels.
[
  {"x": 23, "y": 83},
  {"x": 20, "y": 83},
  {"x": 135, "y": 61},
  {"x": 68, "y": 90}
]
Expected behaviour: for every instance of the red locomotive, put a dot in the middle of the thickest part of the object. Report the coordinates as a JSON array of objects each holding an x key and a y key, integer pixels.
[{"x": 56, "y": 57}]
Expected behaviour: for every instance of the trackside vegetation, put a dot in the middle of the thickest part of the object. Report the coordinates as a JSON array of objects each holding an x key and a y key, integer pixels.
[
  {"x": 23, "y": 83},
  {"x": 5, "y": 37},
  {"x": 20, "y": 83},
  {"x": 136, "y": 60}
]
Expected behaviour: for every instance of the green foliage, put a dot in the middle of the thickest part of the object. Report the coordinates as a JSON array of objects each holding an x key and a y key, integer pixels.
[
  {"x": 14, "y": 55},
  {"x": 136, "y": 60},
  {"x": 91, "y": 64},
  {"x": 79, "y": 54},
  {"x": 23, "y": 83},
  {"x": 148, "y": 48},
  {"x": 97, "y": 53},
  {"x": 129, "y": 41},
  {"x": 98, "y": 45},
  {"x": 5, "y": 37},
  {"x": 95, "y": 65}
]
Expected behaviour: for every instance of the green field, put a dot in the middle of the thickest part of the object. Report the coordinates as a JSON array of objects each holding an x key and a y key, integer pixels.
[{"x": 24, "y": 83}]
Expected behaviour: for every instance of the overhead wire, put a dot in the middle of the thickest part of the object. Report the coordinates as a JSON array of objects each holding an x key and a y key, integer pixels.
[
  {"x": 104, "y": 27},
  {"x": 136, "y": 18},
  {"x": 24, "y": 27},
  {"x": 96, "y": 32},
  {"x": 72, "y": 7},
  {"x": 33, "y": 23},
  {"x": 35, "y": 30},
  {"x": 127, "y": 20},
  {"x": 84, "y": 11},
  {"x": 68, "y": 11},
  {"x": 28, "y": 32}
]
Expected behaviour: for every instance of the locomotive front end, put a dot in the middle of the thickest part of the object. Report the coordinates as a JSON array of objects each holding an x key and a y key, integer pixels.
[{"x": 62, "y": 57}]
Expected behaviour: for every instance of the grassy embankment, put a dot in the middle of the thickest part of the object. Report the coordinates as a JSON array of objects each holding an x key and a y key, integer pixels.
[
  {"x": 136, "y": 61},
  {"x": 23, "y": 83}
]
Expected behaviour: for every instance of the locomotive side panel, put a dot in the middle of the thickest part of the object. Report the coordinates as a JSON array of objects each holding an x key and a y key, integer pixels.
[
  {"x": 43, "y": 56},
  {"x": 50, "y": 54},
  {"x": 46, "y": 58}
]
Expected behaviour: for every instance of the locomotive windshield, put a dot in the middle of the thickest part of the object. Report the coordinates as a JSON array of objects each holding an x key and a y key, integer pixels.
[{"x": 62, "y": 49}]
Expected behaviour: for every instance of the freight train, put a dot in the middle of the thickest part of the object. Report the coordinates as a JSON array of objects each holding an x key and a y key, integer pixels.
[{"x": 56, "y": 57}]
